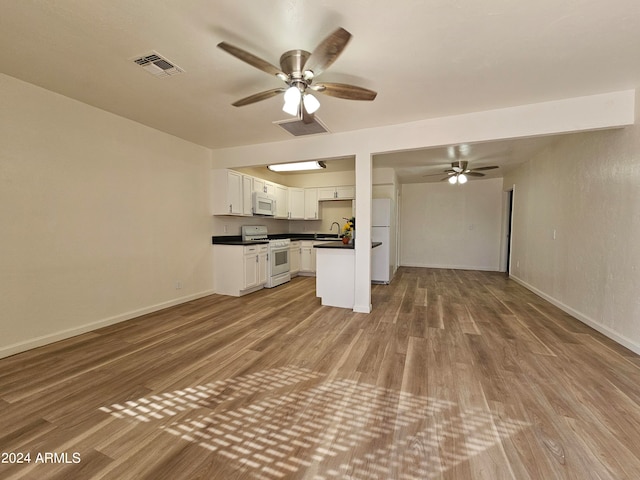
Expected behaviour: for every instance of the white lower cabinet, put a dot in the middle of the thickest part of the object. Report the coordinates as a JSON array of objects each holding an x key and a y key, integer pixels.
[
  {"x": 262, "y": 264},
  {"x": 294, "y": 257},
  {"x": 307, "y": 258},
  {"x": 239, "y": 269}
]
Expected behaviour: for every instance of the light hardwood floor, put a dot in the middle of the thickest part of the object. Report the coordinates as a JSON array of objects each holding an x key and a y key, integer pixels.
[{"x": 455, "y": 375}]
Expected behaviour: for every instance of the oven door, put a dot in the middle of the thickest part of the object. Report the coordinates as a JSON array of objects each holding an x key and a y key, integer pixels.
[{"x": 279, "y": 259}]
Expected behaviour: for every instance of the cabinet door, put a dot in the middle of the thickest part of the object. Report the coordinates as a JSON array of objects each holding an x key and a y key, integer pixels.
[
  {"x": 259, "y": 185},
  {"x": 262, "y": 267},
  {"x": 270, "y": 188},
  {"x": 247, "y": 189},
  {"x": 311, "y": 211},
  {"x": 251, "y": 270},
  {"x": 234, "y": 192},
  {"x": 282, "y": 201},
  {"x": 346, "y": 193},
  {"x": 294, "y": 258},
  {"x": 307, "y": 257},
  {"x": 296, "y": 203},
  {"x": 226, "y": 191},
  {"x": 326, "y": 193}
]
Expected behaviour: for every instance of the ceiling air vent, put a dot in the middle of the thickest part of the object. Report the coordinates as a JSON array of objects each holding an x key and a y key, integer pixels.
[
  {"x": 157, "y": 65},
  {"x": 298, "y": 128}
]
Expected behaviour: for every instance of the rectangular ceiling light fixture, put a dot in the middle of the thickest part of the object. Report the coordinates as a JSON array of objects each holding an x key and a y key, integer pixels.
[{"x": 297, "y": 166}]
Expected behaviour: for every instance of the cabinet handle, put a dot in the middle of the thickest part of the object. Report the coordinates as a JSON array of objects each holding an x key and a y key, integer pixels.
[
  {"x": 230, "y": 209},
  {"x": 256, "y": 258}
]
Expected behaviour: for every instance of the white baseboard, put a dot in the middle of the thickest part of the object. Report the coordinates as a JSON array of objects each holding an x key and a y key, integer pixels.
[
  {"x": 88, "y": 327},
  {"x": 452, "y": 267},
  {"x": 606, "y": 331},
  {"x": 362, "y": 308}
]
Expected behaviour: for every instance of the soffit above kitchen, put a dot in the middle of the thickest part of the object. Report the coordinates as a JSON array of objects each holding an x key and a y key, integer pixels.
[{"x": 425, "y": 59}]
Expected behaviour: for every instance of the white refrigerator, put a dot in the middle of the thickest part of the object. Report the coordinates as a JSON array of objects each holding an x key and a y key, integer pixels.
[{"x": 381, "y": 232}]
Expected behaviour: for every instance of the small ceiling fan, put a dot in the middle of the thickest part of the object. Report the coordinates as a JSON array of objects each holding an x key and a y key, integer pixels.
[
  {"x": 298, "y": 70},
  {"x": 460, "y": 170}
]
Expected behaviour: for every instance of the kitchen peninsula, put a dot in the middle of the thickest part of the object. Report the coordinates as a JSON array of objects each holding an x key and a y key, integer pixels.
[{"x": 335, "y": 273}]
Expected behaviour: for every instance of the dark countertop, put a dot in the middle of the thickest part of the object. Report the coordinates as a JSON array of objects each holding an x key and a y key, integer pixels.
[
  {"x": 237, "y": 239},
  {"x": 342, "y": 246}
]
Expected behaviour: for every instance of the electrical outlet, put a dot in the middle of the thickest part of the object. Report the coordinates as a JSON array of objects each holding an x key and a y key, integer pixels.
[
  {"x": 178, "y": 285},
  {"x": 226, "y": 228}
]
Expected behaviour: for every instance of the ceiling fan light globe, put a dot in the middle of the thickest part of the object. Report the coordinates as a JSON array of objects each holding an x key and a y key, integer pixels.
[
  {"x": 291, "y": 108},
  {"x": 453, "y": 179},
  {"x": 311, "y": 103},
  {"x": 292, "y": 95},
  {"x": 462, "y": 178},
  {"x": 292, "y": 101}
]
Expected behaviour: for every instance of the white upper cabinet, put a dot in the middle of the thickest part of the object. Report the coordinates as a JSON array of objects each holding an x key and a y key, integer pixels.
[
  {"x": 247, "y": 189},
  {"x": 337, "y": 193},
  {"x": 232, "y": 195},
  {"x": 282, "y": 201},
  {"x": 296, "y": 203},
  {"x": 311, "y": 205},
  {"x": 226, "y": 194},
  {"x": 260, "y": 185},
  {"x": 270, "y": 188},
  {"x": 346, "y": 193}
]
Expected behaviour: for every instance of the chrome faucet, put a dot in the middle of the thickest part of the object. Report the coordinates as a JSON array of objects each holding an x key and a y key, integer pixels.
[{"x": 331, "y": 227}]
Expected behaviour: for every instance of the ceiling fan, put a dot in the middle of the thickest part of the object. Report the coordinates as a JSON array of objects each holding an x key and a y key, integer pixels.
[
  {"x": 298, "y": 70},
  {"x": 460, "y": 170}
]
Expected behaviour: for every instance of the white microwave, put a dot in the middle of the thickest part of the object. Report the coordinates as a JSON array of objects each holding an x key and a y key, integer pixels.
[{"x": 264, "y": 204}]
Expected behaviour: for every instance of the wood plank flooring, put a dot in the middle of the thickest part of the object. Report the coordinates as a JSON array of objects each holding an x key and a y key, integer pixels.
[{"x": 454, "y": 375}]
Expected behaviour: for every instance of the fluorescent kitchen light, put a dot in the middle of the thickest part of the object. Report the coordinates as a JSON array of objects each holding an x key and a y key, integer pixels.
[{"x": 297, "y": 166}]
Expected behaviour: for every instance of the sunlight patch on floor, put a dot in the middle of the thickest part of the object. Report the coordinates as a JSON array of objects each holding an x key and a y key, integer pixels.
[{"x": 337, "y": 429}]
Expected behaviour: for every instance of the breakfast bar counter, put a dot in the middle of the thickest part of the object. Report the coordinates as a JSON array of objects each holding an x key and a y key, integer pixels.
[{"x": 335, "y": 273}]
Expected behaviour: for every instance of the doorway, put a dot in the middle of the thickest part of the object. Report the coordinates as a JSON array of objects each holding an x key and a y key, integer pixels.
[{"x": 507, "y": 226}]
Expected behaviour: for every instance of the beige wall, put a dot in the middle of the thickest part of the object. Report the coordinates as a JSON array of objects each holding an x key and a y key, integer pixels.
[
  {"x": 451, "y": 226},
  {"x": 101, "y": 217},
  {"x": 586, "y": 188}
]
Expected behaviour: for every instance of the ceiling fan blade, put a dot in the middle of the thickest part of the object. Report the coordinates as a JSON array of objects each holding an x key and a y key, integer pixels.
[
  {"x": 474, "y": 174},
  {"x": 257, "y": 97},
  {"x": 252, "y": 60},
  {"x": 327, "y": 52},
  {"x": 343, "y": 90},
  {"x": 485, "y": 168}
]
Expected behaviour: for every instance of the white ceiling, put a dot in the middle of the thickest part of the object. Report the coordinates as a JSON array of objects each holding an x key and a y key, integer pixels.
[{"x": 425, "y": 58}]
